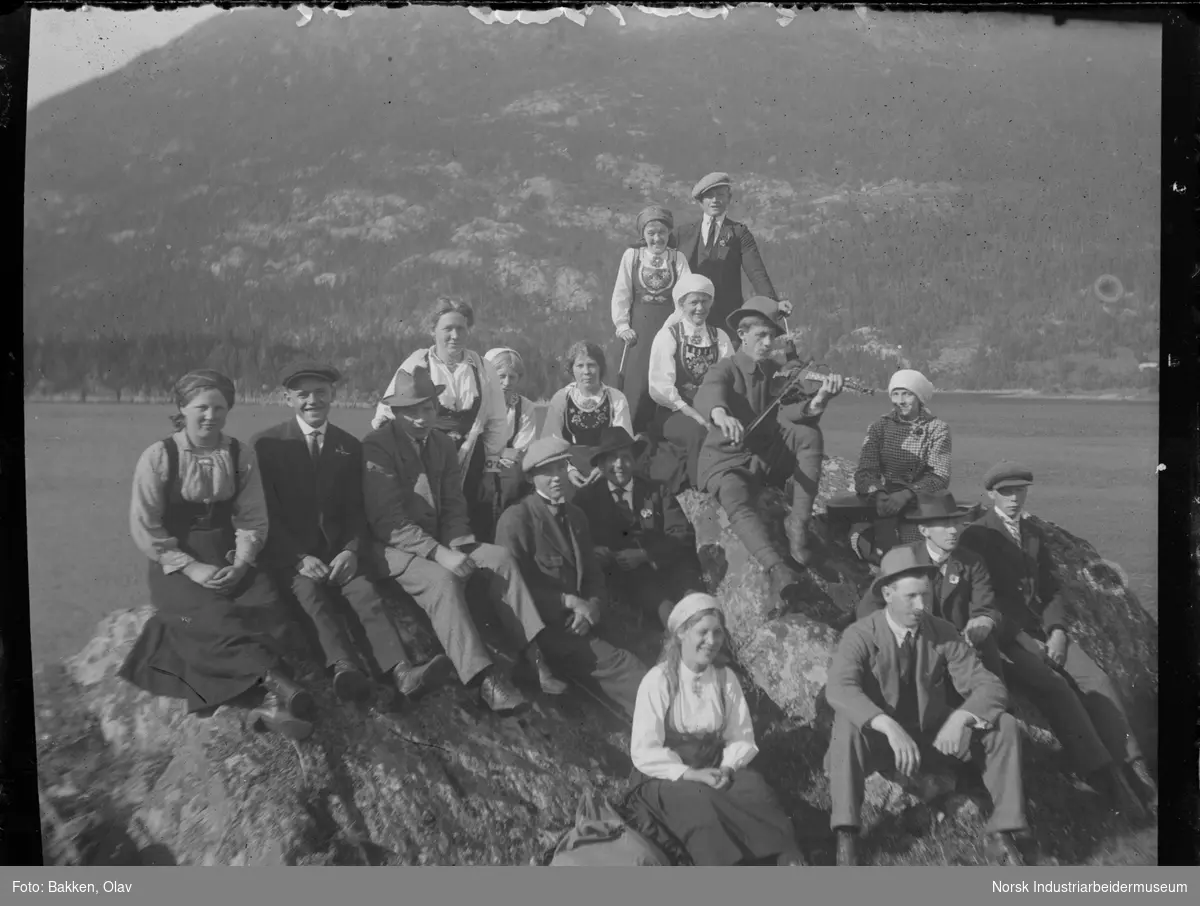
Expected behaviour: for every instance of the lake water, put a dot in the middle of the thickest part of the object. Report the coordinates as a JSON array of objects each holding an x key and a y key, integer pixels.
[{"x": 1094, "y": 461}]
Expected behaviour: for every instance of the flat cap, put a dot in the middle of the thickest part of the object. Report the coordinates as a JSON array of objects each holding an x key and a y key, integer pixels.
[
  {"x": 711, "y": 181},
  {"x": 544, "y": 452},
  {"x": 1007, "y": 474},
  {"x": 309, "y": 368}
]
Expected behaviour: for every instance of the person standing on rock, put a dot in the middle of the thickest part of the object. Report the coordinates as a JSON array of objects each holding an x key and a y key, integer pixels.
[
  {"x": 691, "y": 747},
  {"x": 470, "y": 410},
  {"x": 720, "y": 248},
  {"x": 736, "y": 463},
  {"x": 1037, "y": 650},
  {"x": 312, "y": 480},
  {"x": 522, "y": 427},
  {"x": 422, "y": 539},
  {"x": 888, "y": 687},
  {"x": 552, "y": 546},
  {"x": 905, "y": 453},
  {"x": 641, "y": 302},
  {"x": 199, "y": 514},
  {"x": 645, "y": 543}
]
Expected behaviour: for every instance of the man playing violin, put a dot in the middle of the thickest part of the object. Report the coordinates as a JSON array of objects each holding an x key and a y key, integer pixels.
[{"x": 740, "y": 456}]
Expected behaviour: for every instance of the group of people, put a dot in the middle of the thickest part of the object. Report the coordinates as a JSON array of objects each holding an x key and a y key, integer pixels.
[{"x": 456, "y": 497}]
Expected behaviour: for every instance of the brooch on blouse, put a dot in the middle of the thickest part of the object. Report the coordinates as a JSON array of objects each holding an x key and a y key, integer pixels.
[{"x": 647, "y": 513}]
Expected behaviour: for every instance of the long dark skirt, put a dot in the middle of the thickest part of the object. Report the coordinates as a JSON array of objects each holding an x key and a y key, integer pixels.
[
  {"x": 204, "y": 646},
  {"x": 646, "y": 319}
]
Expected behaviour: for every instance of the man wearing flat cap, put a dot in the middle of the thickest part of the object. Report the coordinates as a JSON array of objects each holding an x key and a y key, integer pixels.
[
  {"x": 720, "y": 248},
  {"x": 1078, "y": 698},
  {"x": 312, "y": 479},
  {"x": 422, "y": 540},
  {"x": 890, "y": 686},
  {"x": 551, "y": 543}
]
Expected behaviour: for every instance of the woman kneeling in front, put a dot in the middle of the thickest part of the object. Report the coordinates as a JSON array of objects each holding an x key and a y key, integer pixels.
[{"x": 691, "y": 743}]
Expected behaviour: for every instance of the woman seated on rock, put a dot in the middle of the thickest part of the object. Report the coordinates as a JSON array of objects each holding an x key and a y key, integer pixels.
[
  {"x": 522, "y": 428},
  {"x": 906, "y": 452},
  {"x": 691, "y": 742},
  {"x": 682, "y": 352},
  {"x": 470, "y": 410},
  {"x": 199, "y": 514},
  {"x": 642, "y": 301},
  {"x": 579, "y": 412}
]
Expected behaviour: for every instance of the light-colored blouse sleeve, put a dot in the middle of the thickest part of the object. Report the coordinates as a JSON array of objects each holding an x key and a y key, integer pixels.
[
  {"x": 662, "y": 371},
  {"x": 146, "y": 511},
  {"x": 681, "y": 264},
  {"x": 249, "y": 515},
  {"x": 557, "y": 408},
  {"x": 621, "y": 417},
  {"x": 724, "y": 344},
  {"x": 526, "y": 431},
  {"x": 739, "y": 730},
  {"x": 647, "y": 740},
  {"x": 622, "y": 297}
]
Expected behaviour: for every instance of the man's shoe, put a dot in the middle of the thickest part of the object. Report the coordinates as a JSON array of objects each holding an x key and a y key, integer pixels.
[
  {"x": 500, "y": 695},
  {"x": 847, "y": 846},
  {"x": 1148, "y": 787},
  {"x": 349, "y": 683},
  {"x": 292, "y": 697},
  {"x": 549, "y": 683},
  {"x": 1002, "y": 849},
  {"x": 275, "y": 718},
  {"x": 785, "y": 590},
  {"x": 412, "y": 682}
]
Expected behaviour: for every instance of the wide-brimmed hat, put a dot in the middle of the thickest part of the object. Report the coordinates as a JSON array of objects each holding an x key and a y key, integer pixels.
[
  {"x": 544, "y": 452},
  {"x": 756, "y": 305},
  {"x": 412, "y": 389},
  {"x": 614, "y": 438},
  {"x": 1007, "y": 474},
  {"x": 308, "y": 368},
  {"x": 931, "y": 507},
  {"x": 711, "y": 181},
  {"x": 897, "y": 562}
]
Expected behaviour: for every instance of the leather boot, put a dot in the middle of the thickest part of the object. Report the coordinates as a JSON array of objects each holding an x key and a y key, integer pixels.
[
  {"x": 550, "y": 683},
  {"x": 292, "y": 697},
  {"x": 1111, "y": 783},
  {"x": 275, "y": 718},
  {"x": 349, "y": 683},
  {"x": 1148, "y": 788},
  {"x": 847, "y": 846},
  {"x": 1002, "y": 849},
  {"x": 785, "y": 590},
  {"x": 412, "y": 682},
  {"x": 500, "y": 695}
]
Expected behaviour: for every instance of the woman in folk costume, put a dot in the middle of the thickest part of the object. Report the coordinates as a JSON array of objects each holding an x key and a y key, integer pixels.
[
  {"x": 691, "y": 744},
  {"x": 198, "y": 512},
  {"x": 682, "y": 352},
  {"x": 641, "y": 303},
  {"x": 470, "y": 409},
  {"x": 580, "y": 411},
  {"x": 522, "y": 427},
  {"x": 906, "y": 452}
]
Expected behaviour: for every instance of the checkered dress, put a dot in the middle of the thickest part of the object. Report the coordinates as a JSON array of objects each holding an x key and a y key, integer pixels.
[{"x": 899, "y": 454}]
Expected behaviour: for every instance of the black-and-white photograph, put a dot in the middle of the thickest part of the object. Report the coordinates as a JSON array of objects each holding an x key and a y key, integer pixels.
[{"x": 605, "y": 436}]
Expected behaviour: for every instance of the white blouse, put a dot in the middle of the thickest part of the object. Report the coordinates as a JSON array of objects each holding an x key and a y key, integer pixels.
[
  {"x": 663, "y": 360},
  {"x": 696, "y": 709},
  {"x": 204, "y": 475},
  {"x": 622, "y": 297}
]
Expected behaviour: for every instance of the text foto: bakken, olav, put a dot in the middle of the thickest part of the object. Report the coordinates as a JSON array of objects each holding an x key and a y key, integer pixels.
[{"x": 70, "y": 887}]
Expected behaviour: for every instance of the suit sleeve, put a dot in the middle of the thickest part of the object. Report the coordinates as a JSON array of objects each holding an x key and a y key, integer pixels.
[
  {"x": 453, "y": 521},
  {"x": 983, "y": 595},
  {"x": 593, "y": 576},
  {"x": 514, "y": 533},
  {"x": 844, "y": 688},
  {"x": 752, "y": 264},
  {"x": 677, "y": 540},
  {"x": 384, "y": 504},
  {"x": 356, "y": 514},
  {"x": 983, "y": 692},
  {"x": 715, "y": 390},
  {"x": 1050, "y": 591},
  {"x": 284, "y": 548}
]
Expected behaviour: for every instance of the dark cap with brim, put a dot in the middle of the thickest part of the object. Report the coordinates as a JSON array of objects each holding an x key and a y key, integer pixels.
[
  {"x": 1007, "y": 474},
  {"x": 302, "y": 368}
]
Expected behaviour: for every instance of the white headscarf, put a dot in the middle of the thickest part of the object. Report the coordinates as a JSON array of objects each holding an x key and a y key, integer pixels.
[
  {"x": 688, "y": 607},
  {"x": 914, "y": 381},
  {"x": 692, "y": 283},
  {"x": 492, "y": 354}
]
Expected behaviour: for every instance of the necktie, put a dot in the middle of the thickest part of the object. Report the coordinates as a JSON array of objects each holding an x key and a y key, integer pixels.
[
  {"x": 1014, "y": 529},
  {"x": 907, "y": 655},
  {"x": 314, "y": 446},
  {"x": 712, "y": 234},
  {"x": 623, "y": 503}
]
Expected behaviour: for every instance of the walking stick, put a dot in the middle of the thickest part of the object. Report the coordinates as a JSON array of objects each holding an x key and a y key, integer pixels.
[{"x": 621, "y": 368}]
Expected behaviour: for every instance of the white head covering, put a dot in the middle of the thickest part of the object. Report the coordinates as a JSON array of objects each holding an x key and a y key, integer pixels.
[
  {"x": 688, "y": 607},
  {"x": 692, "y": 283},
  {"x": 914, "y": 381},
  {"x": 492, "y": 354}
]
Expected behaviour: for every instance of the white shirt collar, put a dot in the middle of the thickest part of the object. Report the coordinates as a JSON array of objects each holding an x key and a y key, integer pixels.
[
  {"x": 708, "y": 220},
  {"x": 309, "y": 429},
  {"x": 626, "y": 491},
  {"x": 897, "y": 630},
  {"x": 1005, "y": 517}
]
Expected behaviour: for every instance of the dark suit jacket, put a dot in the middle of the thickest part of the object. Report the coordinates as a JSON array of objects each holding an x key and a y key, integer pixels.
[
  {"x": 733, "y": 251},
  {"x": 1023, "y": 575},
  {"x": 404, "y": 525},
  {"x": 864, "y": 678},
  {"x": 551, "y": 564},
  {"x": 659, "y": 527},
  {"x": 312, "y": 509},
  {"x": 965, "y": 592}
]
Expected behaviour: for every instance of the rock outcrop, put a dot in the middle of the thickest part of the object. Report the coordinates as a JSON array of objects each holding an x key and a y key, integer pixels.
[{"x": 127, "y": 778}]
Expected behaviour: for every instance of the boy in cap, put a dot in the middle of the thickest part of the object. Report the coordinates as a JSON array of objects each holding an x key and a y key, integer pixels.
[
  {"x": 552, "y": 545},
  {"x": 645, "y": 544},
  {"x": 905, "y": 453},
  {"x": 721, "y": 248},
  {"x": 891, "y": 708},
  {"x": 422, "y": 539},
  {"x": 312, "y": 479},
  {"x": 1084, "y": 707},
  {"x": 734, "y": 465}
]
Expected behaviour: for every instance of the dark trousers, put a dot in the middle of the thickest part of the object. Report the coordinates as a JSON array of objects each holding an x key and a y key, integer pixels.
[
  {"x": 594, "y": 662},
  {"x": 653, "y": 591},
  {"x": 796, "y": 451},
  {"x": 325, "y": 604},
  {"x": 1079, "y": 702},
  {"x": 855, "y": 754},
  {"x": 677, "y": 456}
]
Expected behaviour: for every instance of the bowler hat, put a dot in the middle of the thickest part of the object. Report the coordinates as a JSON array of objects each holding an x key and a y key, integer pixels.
[
  {"x": 412, "y": 389},
  {"x": 711, "y": 181},
  {"x": 931, "y": 507},
  {"x": 756, "y": 305},
  {"x": 543, "y": 452},
  {"x": 614, "y": 438},
  {"x": 897, "y": 562},
  {"x": 1007, "y": 474},
  {"x": 308, "y": 368}
]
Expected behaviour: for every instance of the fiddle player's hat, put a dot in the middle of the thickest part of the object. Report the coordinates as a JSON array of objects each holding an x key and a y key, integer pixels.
[{"x": 762, "y": 306}]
